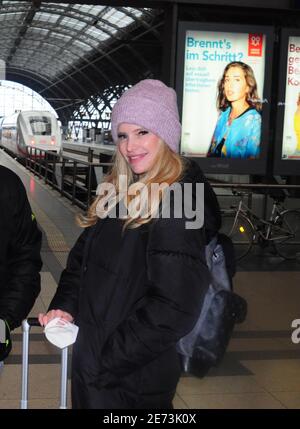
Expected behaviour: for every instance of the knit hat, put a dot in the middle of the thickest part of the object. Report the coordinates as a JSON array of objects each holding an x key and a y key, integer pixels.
[{"x": 150, "y": 104}]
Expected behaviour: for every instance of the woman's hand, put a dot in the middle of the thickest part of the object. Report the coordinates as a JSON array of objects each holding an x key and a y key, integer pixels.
[{"x": 45, "y": 318}]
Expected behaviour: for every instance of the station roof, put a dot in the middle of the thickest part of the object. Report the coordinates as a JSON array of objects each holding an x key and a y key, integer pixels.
[{"x": 68, "y": 52}]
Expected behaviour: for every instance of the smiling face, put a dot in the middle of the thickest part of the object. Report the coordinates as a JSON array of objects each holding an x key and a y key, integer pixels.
[
  {"x": 235, "y": 85},
  {"x": 139, "y": 147}
]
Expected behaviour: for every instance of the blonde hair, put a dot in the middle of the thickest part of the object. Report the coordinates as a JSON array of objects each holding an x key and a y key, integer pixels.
[{"x": 168, "y": 168}]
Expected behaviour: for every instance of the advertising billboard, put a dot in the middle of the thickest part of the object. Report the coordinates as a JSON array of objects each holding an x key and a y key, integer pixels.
[
  {"x": 288, "y": 116},
  {"x": 287, "y": 149},
  {"x": 224, "y": 95},
  {"x": 291, "y": 124}
]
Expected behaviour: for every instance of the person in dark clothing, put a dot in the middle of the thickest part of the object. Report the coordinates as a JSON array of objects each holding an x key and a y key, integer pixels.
[
  {"x": 135, "y": 283},
  {"x": 20, "y": 260}
]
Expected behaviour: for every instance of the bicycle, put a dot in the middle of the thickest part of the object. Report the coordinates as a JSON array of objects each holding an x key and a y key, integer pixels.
[{"x": 244, "y": 227}]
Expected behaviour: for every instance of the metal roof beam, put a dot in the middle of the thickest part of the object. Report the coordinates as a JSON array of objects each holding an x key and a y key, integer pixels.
[
  {"x": 106, "y": 54},
  {"x": 132, "y": 3},
  {"x": 35, "y": 6}
]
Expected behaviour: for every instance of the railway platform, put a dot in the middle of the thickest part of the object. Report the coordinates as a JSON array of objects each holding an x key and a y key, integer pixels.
[{"x": 261, "y": 368}]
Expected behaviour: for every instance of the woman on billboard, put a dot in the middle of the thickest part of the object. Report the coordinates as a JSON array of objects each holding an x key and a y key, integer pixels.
[
  {"x": 297, "y": 125},
  {"x": 238, "y": 129}
]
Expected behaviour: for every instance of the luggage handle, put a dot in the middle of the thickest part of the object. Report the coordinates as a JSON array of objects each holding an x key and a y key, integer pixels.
[
  {"x": 26, "y": 325},
  {"x": 33, "y": 321}
]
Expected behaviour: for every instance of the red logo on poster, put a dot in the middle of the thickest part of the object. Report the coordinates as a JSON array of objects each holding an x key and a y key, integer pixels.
[{"x": 255, "y": 42}]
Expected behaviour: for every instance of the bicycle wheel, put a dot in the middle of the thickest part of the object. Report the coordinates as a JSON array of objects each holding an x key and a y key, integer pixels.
[
  {"x": 287, "y": 239},
  {"x": 241, "y": 233}
]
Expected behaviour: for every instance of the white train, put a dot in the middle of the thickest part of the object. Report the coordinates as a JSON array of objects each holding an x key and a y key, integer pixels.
[{"x": 38, "y": 129}]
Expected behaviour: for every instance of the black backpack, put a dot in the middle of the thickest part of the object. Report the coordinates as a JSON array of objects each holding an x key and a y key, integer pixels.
[{"x": 206, "y": 344}]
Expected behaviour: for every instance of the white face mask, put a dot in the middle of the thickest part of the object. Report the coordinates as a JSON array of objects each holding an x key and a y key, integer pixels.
[{"x": 60, "y": 332}]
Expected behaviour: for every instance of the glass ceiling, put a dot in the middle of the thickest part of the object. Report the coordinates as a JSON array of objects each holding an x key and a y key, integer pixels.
[
  {"x": 53, "y": 39},
  {"x": 14, "y": 96}
]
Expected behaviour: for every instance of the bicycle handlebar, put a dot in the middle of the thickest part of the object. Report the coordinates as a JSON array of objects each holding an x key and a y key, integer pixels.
[
  {"x": 240, "y": 192},
  {"x": 243, "y": 193}
]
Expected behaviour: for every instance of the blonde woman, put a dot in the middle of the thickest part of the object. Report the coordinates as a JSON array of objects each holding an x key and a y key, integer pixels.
[{"x": 135, "y": 279}]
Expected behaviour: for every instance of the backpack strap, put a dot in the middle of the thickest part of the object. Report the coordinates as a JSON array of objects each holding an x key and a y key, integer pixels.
[{"x": 229, "y": 253}]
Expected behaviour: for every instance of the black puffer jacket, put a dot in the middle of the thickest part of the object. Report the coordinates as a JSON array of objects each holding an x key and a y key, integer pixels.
[
  {"x": 133, "y": 297},
  {"x": 20, "y": 244}
]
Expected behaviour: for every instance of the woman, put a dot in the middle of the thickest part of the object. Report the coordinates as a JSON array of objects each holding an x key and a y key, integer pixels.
[
  {"x": 135, "y": 284},
  {"x": 238, "y": 130},
  {"x": 297, "y": 125}
]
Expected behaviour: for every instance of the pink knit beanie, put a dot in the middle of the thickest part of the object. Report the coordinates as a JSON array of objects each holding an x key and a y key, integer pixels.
[{"x": 150, "y": 104}]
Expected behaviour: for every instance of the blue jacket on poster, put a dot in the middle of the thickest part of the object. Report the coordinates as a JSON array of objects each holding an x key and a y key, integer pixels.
[{"x": 240, "y": 139}]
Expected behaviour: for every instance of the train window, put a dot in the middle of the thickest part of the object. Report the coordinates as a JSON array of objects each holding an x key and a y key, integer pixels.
[{"x": 40, "y": 125}]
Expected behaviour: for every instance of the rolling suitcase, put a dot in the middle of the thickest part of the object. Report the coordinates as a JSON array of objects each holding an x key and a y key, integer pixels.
[{"x": 26, "y": 325}]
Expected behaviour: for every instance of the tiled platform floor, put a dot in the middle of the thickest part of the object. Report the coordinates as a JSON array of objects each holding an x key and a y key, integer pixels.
[{"x": 261, "y": 368}]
